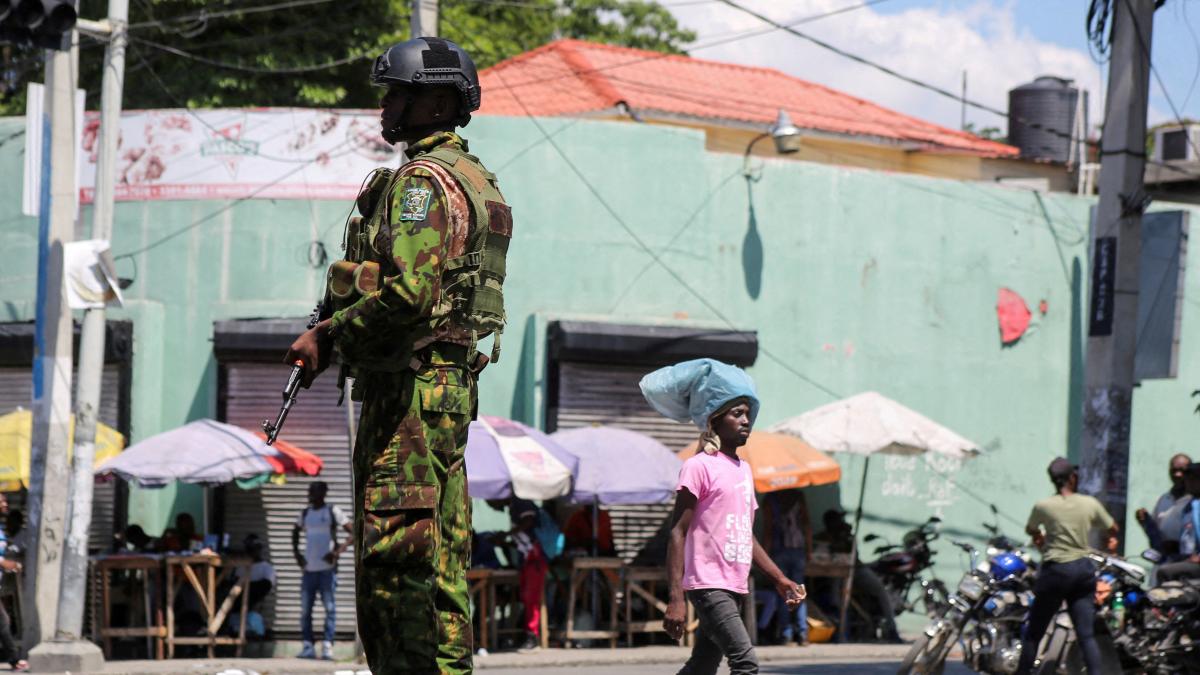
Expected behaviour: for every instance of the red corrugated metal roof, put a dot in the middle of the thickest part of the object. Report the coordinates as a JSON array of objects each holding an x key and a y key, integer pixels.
[{"x": 571, "y": 77}]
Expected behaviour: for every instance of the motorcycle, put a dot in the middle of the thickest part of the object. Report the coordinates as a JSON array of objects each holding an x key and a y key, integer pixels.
[
  {"x": 1120, "y": 603},
  {"x": 1161, "y": 636},
  {"x": 902, "y": 568},
  {"x": 986, "y": 611}
]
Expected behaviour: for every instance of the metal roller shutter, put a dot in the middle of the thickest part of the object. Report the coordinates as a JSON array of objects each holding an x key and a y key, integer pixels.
[
  {"x": 590, "y": 393},
  {"x": 251, "y": 394},
  {"x": 16, "y": 391}
]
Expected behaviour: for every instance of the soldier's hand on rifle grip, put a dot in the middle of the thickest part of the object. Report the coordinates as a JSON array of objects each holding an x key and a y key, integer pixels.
[{"x": 313, "y": 347}]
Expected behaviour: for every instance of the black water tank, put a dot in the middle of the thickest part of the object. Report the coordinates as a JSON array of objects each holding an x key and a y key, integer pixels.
[{"x": 1041, "y": 116}]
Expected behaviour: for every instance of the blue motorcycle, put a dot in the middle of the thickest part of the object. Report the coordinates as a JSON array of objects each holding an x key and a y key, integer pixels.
[{"x": 984, "y": 613}]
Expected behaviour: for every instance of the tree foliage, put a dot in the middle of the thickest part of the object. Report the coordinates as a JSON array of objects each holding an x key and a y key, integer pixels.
[{"x": 201, "y": 53}]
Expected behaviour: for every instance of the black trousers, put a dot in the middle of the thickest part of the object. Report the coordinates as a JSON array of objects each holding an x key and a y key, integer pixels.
[
  {"x": 12, "y": 653},
  {"x": 1074, "y": 583}
]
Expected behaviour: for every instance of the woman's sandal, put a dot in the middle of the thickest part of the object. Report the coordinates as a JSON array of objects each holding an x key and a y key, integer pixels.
[{"x": 20, "y": 666}]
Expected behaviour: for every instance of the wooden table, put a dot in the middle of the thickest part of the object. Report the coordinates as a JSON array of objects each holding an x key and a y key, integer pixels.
[
  {"x": 643, "y": 582},
  {"x": 481, "y": 585},
  {"x": 150, "y": 567},
  {"x": 201, "y": 573},
  {"x": 841, "y": 567},
  {"x": 582, "y": 570}
]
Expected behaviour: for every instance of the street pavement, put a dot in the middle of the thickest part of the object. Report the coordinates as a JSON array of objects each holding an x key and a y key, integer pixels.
[
  {"x": 661, "y": 660},
  {"x": 799, "y": 668}
]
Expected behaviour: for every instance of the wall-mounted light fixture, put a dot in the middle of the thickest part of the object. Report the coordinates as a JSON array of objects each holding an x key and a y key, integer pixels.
[{"x": 785, "y": 135}]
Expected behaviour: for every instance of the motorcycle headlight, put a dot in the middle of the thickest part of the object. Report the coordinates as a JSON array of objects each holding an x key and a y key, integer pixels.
[{"x": 970, "y": 588}]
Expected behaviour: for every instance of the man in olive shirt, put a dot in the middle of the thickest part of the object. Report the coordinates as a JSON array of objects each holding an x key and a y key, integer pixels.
[{"x": 1060, "y": 525}]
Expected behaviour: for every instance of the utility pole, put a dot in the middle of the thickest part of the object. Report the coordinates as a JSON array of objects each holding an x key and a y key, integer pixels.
[
  {"x": 52, "y": 355},
  {"x": 424, "y": 22},
  {"x": 1116, "y": 249},
  {"x": 69, "y": 629}
]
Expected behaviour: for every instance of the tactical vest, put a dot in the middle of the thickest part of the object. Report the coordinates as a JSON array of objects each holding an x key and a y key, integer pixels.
[{"x": 472, "y": 297}]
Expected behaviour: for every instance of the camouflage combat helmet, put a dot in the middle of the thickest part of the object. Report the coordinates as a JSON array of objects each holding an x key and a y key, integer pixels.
[{"x": 429, "y": 61}]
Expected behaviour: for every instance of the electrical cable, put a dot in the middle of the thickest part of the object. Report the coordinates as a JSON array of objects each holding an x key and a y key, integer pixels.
[
  {"x": 292, "y": 70},
  {"x": 204, "y": 219},
  {"x": 656, "y": 258},
  {"x": 204, "y": 15},
  {"x": 1196, "y": 44},
  {"x": 720, "y": 39},
  {"x": 926, "y": 85},
  {"x": 184, "y": 106},
  {"x": 1137, "y": 29}
]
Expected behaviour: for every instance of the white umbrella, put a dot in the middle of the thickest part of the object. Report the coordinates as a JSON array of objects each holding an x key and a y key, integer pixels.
[
  {"x": 206, "y": 452},
  {"x": 870, "y": 423}
]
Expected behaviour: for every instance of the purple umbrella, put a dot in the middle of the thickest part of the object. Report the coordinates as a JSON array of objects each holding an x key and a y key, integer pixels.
[
  {"x": 619, "y": 466},
  {"x": 506, "y": 458}
]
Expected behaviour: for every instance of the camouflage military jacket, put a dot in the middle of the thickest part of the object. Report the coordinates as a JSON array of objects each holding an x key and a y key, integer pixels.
[{"x": 426, "y": 223}]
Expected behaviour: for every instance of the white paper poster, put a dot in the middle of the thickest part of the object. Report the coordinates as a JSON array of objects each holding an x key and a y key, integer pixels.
[{"x": 91, "y": 278}]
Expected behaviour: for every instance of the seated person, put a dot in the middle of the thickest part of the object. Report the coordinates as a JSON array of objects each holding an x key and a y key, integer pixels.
[
  {"x": 839, "y": 536},
  {"x": 483, "y": 550},
  {"x": 577, "y": 533},
  {"x": 262, "y": 582},
  {"x": 135, "y": 540},
  {"x": 262, "y": 572}
]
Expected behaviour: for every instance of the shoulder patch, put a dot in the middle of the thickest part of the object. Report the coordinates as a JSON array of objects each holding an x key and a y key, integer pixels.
[{"x": 415, "y": 204}]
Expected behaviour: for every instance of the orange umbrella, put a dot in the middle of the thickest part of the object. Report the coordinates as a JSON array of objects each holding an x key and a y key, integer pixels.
[{"x": 781, "y": 462}]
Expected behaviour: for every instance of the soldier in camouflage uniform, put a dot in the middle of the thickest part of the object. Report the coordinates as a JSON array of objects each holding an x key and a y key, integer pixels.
[{"x": 420, "y": 285}]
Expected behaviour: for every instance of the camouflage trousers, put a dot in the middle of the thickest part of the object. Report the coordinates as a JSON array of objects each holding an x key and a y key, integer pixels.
[{"x": 413, "y": 518}]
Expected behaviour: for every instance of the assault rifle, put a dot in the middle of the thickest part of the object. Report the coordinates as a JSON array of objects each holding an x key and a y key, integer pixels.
[{"x": 293, "y": 383}]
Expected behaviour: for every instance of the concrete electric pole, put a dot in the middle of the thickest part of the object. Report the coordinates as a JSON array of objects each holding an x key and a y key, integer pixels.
[
  {"x": 1116, "y": 249},
  {"x": 74, "y": 653},
  {"x": 424, "y": 22},
  {"x": 52, "y": 355}
]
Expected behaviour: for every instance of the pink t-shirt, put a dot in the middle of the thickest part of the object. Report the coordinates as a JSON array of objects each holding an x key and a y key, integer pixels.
[{"x": 720, "y": 540}]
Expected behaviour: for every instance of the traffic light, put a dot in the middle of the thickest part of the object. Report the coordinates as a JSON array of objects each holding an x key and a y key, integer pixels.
[{"x": 41, "y": 23}]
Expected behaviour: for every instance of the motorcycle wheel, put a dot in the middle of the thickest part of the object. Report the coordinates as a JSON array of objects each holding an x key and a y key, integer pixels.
[
  {"x": 1056, "y": 652},
  {"x": 927, "y": 656}
]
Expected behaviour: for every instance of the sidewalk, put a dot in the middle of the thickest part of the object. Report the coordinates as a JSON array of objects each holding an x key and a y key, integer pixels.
[{"x": 549, "y": 658}]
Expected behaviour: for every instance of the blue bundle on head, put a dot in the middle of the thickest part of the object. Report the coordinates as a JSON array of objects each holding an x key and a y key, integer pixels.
[{"x": 693, "y": 391}]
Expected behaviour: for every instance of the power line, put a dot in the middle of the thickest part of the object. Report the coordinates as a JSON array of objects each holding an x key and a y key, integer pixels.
[
  {"x": 656, "y": 258},
  {"x": 186, "y": 108},
  {"x": 720, "y": 39},
  {"x": 204, "y": 15},
  {"x": 926, "y": 85},
  {"x": 257, "y": 70},
  {"x": 197, "y": 223},
  {"x": 1157, "y": 78}
]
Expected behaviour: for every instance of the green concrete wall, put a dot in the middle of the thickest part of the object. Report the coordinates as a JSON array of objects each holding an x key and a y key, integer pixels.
[{"x": 855, "y": 280}]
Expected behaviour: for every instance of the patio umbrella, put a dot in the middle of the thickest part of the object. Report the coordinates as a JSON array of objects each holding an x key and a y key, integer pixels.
[
  {"x": 506, "y": 458},
  {"x": 16, "y": 432},
  {"x": 205, "y": 452},
  {"x": 870, "y": 423},
  {"x": 781, "y": 462},
  {"x": 619, "y": 466},
  {"x": 293, "y": 459}
]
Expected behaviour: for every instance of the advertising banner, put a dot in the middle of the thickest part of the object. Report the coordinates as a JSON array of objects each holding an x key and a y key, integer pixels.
[{"x": 267, "y": 153}]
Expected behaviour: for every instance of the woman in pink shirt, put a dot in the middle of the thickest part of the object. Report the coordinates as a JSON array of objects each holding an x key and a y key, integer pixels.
[{"x": 712, "y": 543}]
